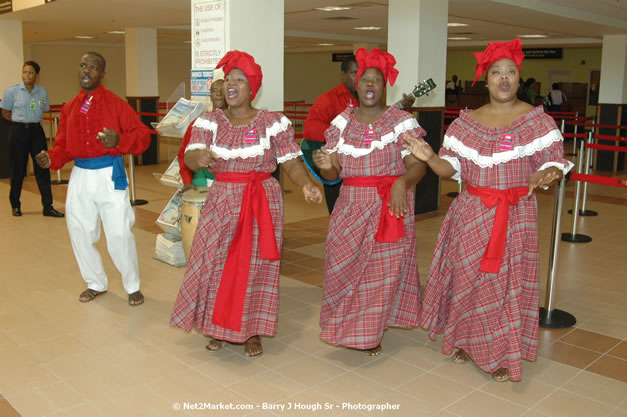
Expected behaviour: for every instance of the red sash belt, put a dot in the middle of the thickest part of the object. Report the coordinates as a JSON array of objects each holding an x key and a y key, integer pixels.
[
  {"x": 229, "y": 303},
  {"x": 390, "y": 228},
  {"x": 502, "y": 199}
]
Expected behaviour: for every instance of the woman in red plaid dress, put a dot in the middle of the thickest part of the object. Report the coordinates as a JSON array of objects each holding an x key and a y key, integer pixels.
[
  {"x": 231, "y": 287},
  {"x": 482, "y": 291},
  {"x": 371, "y": 281}
]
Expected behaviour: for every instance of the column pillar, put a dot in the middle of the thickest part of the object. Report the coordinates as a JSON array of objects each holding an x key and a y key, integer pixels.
[
  {"x": 417, "y": 32},
  {"x": 142, "y": 81},
  {"x": 256, "y": 27},
  {"x": 612, "y": 107},
  {"x": 12, "y": 53}
]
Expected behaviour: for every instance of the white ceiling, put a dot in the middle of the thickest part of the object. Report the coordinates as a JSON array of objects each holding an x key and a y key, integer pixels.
[{"x": 564, "y": 22}]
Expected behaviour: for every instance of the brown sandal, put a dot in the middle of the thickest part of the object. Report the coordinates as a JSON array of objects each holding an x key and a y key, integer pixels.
[
  {"x": 136, "y": 298},
  {"x": 502, "y": 375},
  {"x": 460, "y": 357},
  {"x": 215, "y": 344},
  {"x": 252, "y": 347},
  {"x": 88, "y": 295}
]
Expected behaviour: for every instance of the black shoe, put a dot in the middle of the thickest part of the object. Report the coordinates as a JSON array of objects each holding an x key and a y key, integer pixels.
[
  {"x": 16, "y": 212},
  {"x": 51, "y": 212}
]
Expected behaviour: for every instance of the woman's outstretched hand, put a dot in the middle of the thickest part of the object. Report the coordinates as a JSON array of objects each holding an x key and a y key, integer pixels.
[
  {"x": 544, "y": 178},
  {"x": 418, "y": 147}
]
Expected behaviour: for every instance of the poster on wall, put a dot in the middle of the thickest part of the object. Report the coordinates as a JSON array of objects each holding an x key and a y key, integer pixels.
[
  {"x": 200, "y": 85},
  {"x": 208, "y": 37}
]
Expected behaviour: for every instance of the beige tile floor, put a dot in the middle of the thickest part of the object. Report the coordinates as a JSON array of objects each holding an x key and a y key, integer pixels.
[{"x": 59, "y": 357}]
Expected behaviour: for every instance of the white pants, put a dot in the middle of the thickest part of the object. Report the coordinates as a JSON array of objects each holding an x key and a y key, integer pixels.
[{"x": 91, "y": 198}]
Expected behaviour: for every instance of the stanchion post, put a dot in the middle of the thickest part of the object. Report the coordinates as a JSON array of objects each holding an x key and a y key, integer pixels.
[
  {"x": 575, "y": 138},
  {"x": 549, "y": 316},
  {"x": 131, "y": 168},
  {"x": 583, "y": 211},
  {"x": 574, "y": 237},
  {"x": 58, "y": 181}
]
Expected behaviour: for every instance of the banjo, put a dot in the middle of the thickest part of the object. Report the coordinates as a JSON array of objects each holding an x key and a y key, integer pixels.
[{"x": 309, "y": 146}]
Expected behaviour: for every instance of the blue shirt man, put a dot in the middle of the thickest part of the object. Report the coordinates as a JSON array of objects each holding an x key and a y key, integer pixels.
[{"x": 23, "y": 105}]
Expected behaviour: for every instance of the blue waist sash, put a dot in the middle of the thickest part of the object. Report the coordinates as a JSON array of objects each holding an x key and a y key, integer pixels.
[{"x": 117, "y": 162}]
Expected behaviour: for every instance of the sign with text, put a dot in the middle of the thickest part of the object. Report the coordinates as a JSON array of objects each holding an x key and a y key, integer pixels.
[
  {"x": 208, "y": 37},
  {"x": 341, "y": 56},
  {"x": 200, "y": 84},
  {"x": 542, "y": 53}
]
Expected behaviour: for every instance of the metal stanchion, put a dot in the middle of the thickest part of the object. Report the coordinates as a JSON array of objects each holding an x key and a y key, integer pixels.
[
  {"x": 134, "y": 201},
  {"x": 574, "y": 138},
  {"x": 583, "y": 211},
  {"x": 574, "y": 237},
  {"x": 455, "y": 193},
  {"x": 549, "y": 316},
  {"x": 58, "y": 181}
]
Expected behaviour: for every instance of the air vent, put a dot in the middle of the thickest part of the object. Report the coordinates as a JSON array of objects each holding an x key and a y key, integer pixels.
[{"x": 340, "y": 18}]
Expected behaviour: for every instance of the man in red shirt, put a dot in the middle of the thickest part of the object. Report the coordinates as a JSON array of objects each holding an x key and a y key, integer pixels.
[
  {"x": 96, "y": 129},
  {"x": 325, "y": 109}
]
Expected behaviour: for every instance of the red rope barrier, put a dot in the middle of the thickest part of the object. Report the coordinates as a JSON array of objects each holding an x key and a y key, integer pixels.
[
  {"x": 48, "y": 118},
  {"x": 577, "y": 122},
  {"x": 606, "y": 147},
  {"x": 609, "y": 137},
  {"x": 599, "y": 179},
  {"x": 299, "y": 136},
  {"x": 606, "y": 126},
  {"x": 575, "y": 135}
]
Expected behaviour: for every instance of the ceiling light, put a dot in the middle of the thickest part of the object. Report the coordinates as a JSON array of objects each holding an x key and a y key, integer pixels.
[
  {"x": 84, "y": 37},
  {"x": 117, "y": 32},
  {"x": 531, "y": 36},
  {"x": 368, "y": 28},
  {"x": 458, "y": 38},
  {"x": 325, "y": 44},
  {"x": 456, "y": 24},
  {"x": 332, "y": 9}
]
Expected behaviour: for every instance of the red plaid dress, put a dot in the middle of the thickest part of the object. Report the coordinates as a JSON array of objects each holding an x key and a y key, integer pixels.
[
  {"x": 493, "y": 317},
  {"x": 218, "y": 222},
  {"x": 368, "y": 286}
]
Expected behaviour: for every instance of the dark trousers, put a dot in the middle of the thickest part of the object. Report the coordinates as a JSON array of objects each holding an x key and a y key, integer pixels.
[
  {"x": 24, "y": 141},
  {"x": 331, "y": 193}
]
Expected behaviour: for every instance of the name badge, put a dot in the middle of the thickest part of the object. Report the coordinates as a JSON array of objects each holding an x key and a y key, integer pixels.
[
  {"x": 369, "y": 136},
  {"x": 507, "y": 142},
  {"x": 250, "y": 136},
  {"x": 86, "y": 105},
  {"x": 33, "y": 104}
]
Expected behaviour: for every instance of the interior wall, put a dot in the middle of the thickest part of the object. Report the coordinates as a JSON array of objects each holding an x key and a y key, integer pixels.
[
  {"x": 577, "y": 60},
  {"x": 59, "y": 69},
  {"x": 309, "y": 75}
]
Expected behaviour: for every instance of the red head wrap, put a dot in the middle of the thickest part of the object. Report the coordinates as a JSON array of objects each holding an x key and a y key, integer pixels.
[
  {"x": 495, "y": 51},
  {"x": 380, "y": 60},
  {"x": 245, "y": 63}
]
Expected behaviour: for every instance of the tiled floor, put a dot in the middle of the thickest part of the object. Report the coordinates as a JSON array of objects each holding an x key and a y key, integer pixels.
[{"x": 59, "y": 357}]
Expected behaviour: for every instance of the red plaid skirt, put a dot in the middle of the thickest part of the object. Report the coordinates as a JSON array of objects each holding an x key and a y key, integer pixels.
[
  {"x": 215, "y": 231},
  {"x": 368, "y": 286}
]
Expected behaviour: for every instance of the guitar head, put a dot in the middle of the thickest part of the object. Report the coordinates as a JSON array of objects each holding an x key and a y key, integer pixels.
[{"x": 424, "y": 87}]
